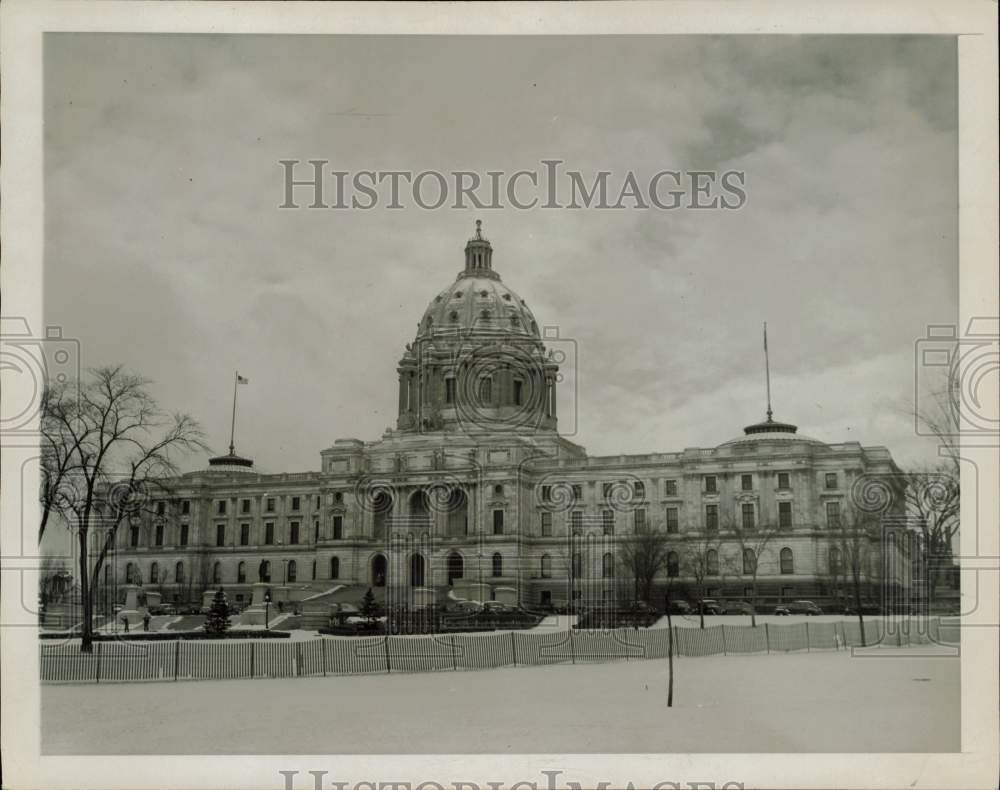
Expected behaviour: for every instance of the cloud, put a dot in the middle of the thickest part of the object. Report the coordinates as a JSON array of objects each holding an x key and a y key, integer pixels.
[{"x": 165, "y": 248}]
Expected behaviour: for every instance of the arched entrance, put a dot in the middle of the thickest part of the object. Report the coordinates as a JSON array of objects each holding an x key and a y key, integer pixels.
[
  {"x": 456, "y": 567},
  {"x": 379, "y": 570},
  {"x": 416, "y": 571}
]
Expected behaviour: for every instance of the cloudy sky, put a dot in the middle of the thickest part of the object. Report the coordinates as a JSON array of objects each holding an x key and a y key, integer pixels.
[{"x": 165, "y": 249}]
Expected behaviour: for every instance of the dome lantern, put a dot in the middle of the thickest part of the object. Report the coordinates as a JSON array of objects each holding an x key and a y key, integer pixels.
[{"x": 479, "y": 256}]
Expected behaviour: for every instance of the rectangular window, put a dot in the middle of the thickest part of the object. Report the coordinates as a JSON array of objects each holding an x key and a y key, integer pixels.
[
  {"x": 296, "y": 502},
  {"x": 269, "y": 504},
  {"x": 159, "y": 534},
  {"x": 746, "y": 482},
  {"x": 639, "y": 489},
  {"x": 315, "y": 532},
  {"x": 784, "y": 482},
  {"x": 244, "y": 534},
  {"x": 518, "y": 392},
  {"x": 186, "y": 507},
  {"x": 711, "y": 518},
  {"x": 546, "y": 525},
  {"x": 606, "y": 490},
  {"x": 318, "y": 501},
  {"x": 269, "y": 533},
  {"x": 639, "y": 519},
  {"x": 673, "y": 520},
  {"x": 220, "y": 534},
  {"x": 244, "y": 506},
  {"x": 498, "y": 522},
  {"x": 577, "y": 492},
  {"x": 608, "y": 522},
  {"x": 161, "y": 508},
  {"x": 220, "y": 507},
  {"x": 833, "y": 514},
  {"x": 338, "y": 527},
  {"x": 184, "y": 534},
  {"x": 831, "y": 481},
  {"x": 576, "y": 522},
  {"x": 133, "y": 537},
  {"x": 784, "y": 514},
  {"x": 710, "y": 484},
  {"x": 449, "y": 390},
  {"x": 293, "y": 533},
  {"x": 747, "y": 515},
  {"x": 546, "y": 493},
  {"x": 670, "y": 488}
]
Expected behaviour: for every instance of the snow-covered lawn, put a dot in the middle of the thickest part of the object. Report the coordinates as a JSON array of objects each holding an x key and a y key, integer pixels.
[{"x": 897, "y": 699}]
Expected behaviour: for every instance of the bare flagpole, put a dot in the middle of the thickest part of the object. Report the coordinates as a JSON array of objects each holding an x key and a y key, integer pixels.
[
  {"x": 232, "y": 429},
  {"x": 767, "y": 374}
]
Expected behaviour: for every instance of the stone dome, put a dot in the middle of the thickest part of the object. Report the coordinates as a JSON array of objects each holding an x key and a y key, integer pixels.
[
  {"x": 474, "y": 304},
  {"x": 477, "y": 302},
  {"x": 478, "y": 361},
  {"x": 770, "y": 431}
]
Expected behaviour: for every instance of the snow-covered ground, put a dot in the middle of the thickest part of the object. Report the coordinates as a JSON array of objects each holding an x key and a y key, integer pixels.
[{"x": 895, "y": 699}]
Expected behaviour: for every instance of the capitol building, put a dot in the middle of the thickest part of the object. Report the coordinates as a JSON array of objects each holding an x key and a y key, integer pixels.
[{"x": 475, "y": 495}]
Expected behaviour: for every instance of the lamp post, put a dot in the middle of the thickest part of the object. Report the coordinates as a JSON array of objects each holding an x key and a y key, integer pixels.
[{"x": 267, "y": 610}]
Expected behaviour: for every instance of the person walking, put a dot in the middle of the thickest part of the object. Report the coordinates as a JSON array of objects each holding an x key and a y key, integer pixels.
[
  {"x": 145, "y": 621},
  {"x": 125, "y": 622}
]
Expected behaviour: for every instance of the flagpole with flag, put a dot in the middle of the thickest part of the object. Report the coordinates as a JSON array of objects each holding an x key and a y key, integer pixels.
[{"x": 232, "y": 431}]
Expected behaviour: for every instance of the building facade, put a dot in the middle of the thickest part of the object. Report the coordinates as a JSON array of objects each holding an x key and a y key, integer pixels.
[{"x": 474, "y": 494}]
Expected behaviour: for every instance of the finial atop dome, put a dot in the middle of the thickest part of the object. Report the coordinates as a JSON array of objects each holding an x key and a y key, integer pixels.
[{"x": 478, "y": 255}]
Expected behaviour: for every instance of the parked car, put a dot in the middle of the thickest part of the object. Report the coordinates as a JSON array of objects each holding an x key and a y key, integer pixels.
[
  {"x": 739, "y": 607},
  {"x": 680, "y": 607},
  {"x": 798, "y": 607},
  {"x": 712, "y": 606}
]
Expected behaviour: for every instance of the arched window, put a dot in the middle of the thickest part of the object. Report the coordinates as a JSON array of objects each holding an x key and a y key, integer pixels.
[
  {"x": 334, "y": 567},
  {"x": 154, "y": 573},
  {"x": 712, "y": 562},
  {"x": 456, "y": 567},
  {"x": 608, "y": 566},
  {"x": 293, "y": 570},
  {"x": 264, "y": 572},
  {"x": 673, "y": 565},
  {"x": 379, "y": 567},
  {"x": 217, "y": 573},
  {"x": 577, "y": 563},
  {"x": 241, "y": 573},
  {"x": 179, "y": 572},
  {"x": 546, "y": 566},
  {"x": 130, "y": 574},
  {"x": 834, "y": 560},
  {"x": 497, "y": 564},
  {"x": 416, "y": 571},
  {"x": 749, "y": 562},
  {"x": 787, "y": 564}
]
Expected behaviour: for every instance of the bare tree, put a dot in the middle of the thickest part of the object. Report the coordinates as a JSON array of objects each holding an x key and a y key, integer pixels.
[
  {"x": 697, "y": 563},
  {"x": 120, "y": 447},
  {"x": 933, "y": 491},
  {"x": 643, "y": 556},
  {"x": 856, "y": 533},
  {"x": 753, "y": 539}
]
